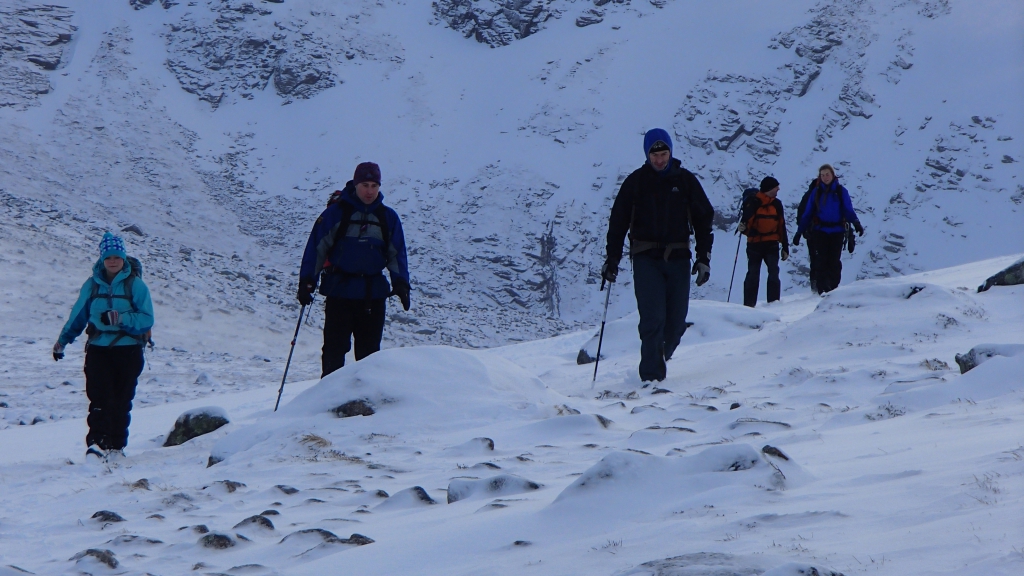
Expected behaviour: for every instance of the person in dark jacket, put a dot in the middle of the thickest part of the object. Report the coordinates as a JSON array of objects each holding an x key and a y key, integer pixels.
[
  {"x": 352, "y": 242},
  {"x": 765, "y": 226},
  {"x": 658, "y": 205},
  {"x": 812, "y": 263},
  {"x": 824, "y": 220},
  {"x": 115, "y": 310}
]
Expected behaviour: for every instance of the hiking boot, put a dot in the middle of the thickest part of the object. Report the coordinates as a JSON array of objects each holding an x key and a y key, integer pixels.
[
  {"x": 95, "y": 453},
  {"x": 115, "y": 455}
]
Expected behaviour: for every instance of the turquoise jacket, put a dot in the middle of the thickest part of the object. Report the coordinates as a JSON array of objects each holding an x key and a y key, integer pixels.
[{"x": 134, "y": 321}]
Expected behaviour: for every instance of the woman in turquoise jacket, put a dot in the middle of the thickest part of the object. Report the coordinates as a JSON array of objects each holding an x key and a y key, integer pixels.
[{"x": 115, "y": 311}]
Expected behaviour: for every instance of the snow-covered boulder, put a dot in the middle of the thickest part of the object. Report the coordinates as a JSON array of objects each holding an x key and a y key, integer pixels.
[
  {"x": 427, "y": 388},
  {"x": 194, "y": 423},
  {"x": 710, "y": 321},
  {"x": 983, "y": 352},
  {"x": 628, "y": 484},
  {"x": 501, "y": 485},
  {"x": 1010, "y": 276}
]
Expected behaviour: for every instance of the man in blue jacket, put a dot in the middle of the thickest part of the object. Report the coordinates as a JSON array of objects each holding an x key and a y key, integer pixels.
[
  {"x": 115, "y": 310},
  {"x": 351, "y": 244},
  {"x": 823, "y": 223}
]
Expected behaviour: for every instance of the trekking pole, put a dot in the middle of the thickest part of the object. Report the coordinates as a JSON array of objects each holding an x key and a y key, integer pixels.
[
  {"x": 737, "y": 257},
  {"x": 600, "y": 339},
  {"x": 290, "y": 352},
  {"x": 734, "y": 261}
]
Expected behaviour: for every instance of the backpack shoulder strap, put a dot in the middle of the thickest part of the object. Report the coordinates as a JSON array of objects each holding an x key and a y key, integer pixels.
[{"x": 381, "y": 212}]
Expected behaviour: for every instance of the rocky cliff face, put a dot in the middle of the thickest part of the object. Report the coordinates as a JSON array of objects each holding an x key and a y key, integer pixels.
[
  {"x": 33, "y": 39},
  {"x": 495, "y": 22}
]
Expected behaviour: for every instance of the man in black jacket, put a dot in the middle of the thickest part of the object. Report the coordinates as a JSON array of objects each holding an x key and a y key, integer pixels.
[{"x": 658, "y": 205}]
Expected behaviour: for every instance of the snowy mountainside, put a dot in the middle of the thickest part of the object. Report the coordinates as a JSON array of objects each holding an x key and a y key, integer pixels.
[
  {"x": 815, "y": 435},
  {"x": 212, "y": 131}
]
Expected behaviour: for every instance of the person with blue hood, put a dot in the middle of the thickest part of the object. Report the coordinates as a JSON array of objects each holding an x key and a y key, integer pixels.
[
  {"x": 823, "y": 222},
  {"x": 115, "y": 311},
  {"x": 658, "y": 206},
  {"x": 352, "y": 242}
]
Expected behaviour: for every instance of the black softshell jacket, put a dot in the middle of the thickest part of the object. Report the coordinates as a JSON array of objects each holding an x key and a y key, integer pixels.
[{"x": 662, "y": 208}]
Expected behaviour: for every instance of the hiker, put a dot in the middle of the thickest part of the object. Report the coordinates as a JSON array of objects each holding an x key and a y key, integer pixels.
[
  {"x": 351, "y": 244},
  {"x": 812, "y": 264},
  {"x": 116, "y": 313},
  {"x": 824, "y": 221},
  {"x": 765, "y": 227},
  {"x": 658, "y": 205}
]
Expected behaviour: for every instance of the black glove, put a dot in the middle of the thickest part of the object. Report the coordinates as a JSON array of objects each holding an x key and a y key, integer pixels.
[
  {"x": 402, "y": 289},
  {"x": 305, "y": 294},
  {"x": 796, "y": 239},
  {"x": 610, "y": 270},
  {"x": 702, "y": 269},
  {"x": 858, "y": 228},
  {"x": 785, "y": 253},
  {"x": 741, "y": 228},
  {"x": 58, "y": 351},
  {"x": 110, "y": 318}
]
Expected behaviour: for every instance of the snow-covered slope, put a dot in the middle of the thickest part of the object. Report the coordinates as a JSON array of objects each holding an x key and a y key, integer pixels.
[
  {"x": 211, "y": 132},
  {"x": 829, "y": 433}
]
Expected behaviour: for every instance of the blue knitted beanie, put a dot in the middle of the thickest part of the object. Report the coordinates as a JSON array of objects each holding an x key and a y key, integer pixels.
[
  {"x": 112, "y": 246},
  {"x": 654, "y": 136}
]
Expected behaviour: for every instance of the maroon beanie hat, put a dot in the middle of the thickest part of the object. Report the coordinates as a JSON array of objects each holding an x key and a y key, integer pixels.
[{"x": 366, "y": 172}]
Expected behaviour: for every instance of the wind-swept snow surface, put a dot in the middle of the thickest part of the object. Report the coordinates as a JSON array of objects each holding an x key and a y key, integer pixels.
[{"x": 833, "y": 434}]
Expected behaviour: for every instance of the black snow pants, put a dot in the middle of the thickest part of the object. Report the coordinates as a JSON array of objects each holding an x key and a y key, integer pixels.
[
  {"x": 663, "y": 298},
  {"x": 111, "y": 375},
  {"x": 345, "y": 318},
  {"x": 812, "y": 261},
  {"x": 829, "y": 249},
  {"x": 757, "y": 252}
]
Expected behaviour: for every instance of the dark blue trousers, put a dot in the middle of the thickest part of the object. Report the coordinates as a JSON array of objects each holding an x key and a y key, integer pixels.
[{"x": 663, "y": 299}]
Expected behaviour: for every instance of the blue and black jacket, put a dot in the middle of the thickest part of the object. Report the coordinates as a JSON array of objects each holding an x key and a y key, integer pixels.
[
  {"x": 828, "y": 209},
  {"x": 347, "y": 258},
  {"x": 130, "y": 299}
]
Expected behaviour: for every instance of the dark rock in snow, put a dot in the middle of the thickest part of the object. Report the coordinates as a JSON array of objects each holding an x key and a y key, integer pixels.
[
  {"x": 134, "y": 229},
  {"x": 217, "y": 541},
  {"x": 195, "y": 423},
  {"x": 328, "y": 537},
  {"x": 1009, "y": 276},
  {"x": 734, "y": 405},
  {"x": 229, "y": 485},
  {"x": 590, "y": 17},
  {"x": 355, "y": 408},
  {"x": 603, "y": 421},
  {"x": 773, "y": 451},
  {"x": 127, "y": 539},
  {"x": 983, "y": 352},
  {"x": 258, "y": 521},
  {"x": 213, "y": 460},
  {"x": 105, "y": 557},
  {"x": 286, "y": 489},
  {"x": 108, "y": 516}
]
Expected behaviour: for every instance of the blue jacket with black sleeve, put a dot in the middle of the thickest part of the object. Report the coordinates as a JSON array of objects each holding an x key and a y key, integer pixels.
[
  {"x": 347, "y": 258},
  {"x": 828, "y": 208}
]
